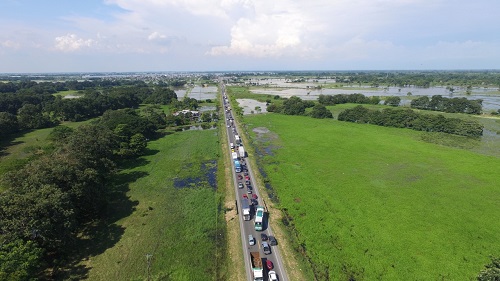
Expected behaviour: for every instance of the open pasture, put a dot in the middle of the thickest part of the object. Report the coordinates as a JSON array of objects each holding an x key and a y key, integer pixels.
[
  {"x": 375, "y": 203},
  {"x": 171, "y": 214}
]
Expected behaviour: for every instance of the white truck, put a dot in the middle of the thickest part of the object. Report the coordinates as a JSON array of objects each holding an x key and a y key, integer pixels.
[
  {"x": 259, "y": 218},
  {"x": 258, "y": 271},
  {"x": 241, "y": 151},
  {"x": 234, "y": 155},
  {"x": 245, "y": 208}
]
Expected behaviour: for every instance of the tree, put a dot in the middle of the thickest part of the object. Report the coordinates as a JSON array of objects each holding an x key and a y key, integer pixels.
[
  {"x": 40, "y": 212},
  {"x": 8, "y": 123},
  {"x": 60, "y": 133},
  {"x": 19, "y": 260},
  {"x": 30, "y": 117},
  {"x": 206, "y": 117},
  {"x": 138, "y": 144},
  {"x": 320, "y": 111},
  {"x": 155, "y": 115},
  {"x": 93, "y": 146},
  {"x": 294, "y": 106},
  {"x": 393, "y": 101},
  {"x": 161, "y": 95},
  {"x": 420, "y": 103},
  {"x": 491, "y": 271}
]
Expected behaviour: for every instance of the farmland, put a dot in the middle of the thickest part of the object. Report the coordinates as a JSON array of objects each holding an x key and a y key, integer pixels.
[{"x": 368, "y": 202}]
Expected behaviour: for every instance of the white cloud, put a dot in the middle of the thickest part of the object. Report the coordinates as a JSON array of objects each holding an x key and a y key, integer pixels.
[
  {"x": 276, "y": 34},
  {"x": 10, "y": 44},
  {"x": 71, "y": 42},
  {"x": 156, "y": 36},
  {"x": 462, "y": 50}
]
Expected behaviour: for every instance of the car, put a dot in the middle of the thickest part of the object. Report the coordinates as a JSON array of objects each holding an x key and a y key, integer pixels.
[
  {"x": 251, "y": 240},
  {"x": 240, "y": 177},
  {"x": 240, "y": 185},
  {"x": 272, "y": 276},
  {"x": 247, "y": 178},
  {"x": 254, "y": 196},
  {"x": 266, "y": 248},
  {"x": 245, "y": 196},
  {"x": 247, "y": 182},
  {"x": 249, "y": 190},
  {"x": 263, "y": 237},
  {"x": 245, "y": 173},
  {"x": 269, "y": 264},
  {"x": 272, "y": 241},
  {"x": 254, "y": 202}
]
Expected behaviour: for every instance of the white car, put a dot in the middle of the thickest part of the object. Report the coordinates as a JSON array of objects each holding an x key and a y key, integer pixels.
[
  {"x": 251, "y": 240},
  {"x": 272, "y": 276}
]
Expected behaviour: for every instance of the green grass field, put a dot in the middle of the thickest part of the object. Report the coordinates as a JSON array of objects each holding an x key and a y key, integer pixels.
[
  {"x": 69, "y": 92},
  {"x": 17, "y": 150},
  {"x": 376, "y": 203},
  {"x": 172, "y": 214}
]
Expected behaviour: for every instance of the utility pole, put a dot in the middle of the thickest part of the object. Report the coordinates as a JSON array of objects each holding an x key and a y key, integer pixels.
[{"x": 148, "y": 258}]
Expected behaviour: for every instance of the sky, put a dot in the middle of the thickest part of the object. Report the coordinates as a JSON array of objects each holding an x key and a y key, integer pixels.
[{"x": 39, "y": 36}]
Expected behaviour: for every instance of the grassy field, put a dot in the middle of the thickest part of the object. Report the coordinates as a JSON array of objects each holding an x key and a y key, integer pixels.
[
  {"x": 69, "y": 92},
  {"x": 244, "y": 93},
  {"x": 375, "y": 203},
  {"x": 170, "y": 212},
  {"x": 17, "y": 150}
]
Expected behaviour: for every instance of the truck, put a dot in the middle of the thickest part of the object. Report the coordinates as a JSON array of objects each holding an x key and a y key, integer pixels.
[
  {"x": 241, "y": 151},
  {"x": 237, "y": 166},
  {"x": 237, "y": 139},
  {"x": 245, "y": 207},
  {"x": 257, "y": 270},
  {"x": 259, "y": 218},
  {"x": 234, "y": 155}
]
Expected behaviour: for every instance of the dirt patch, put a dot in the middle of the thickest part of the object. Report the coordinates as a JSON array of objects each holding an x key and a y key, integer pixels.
[{"x": 230, "y": 214}]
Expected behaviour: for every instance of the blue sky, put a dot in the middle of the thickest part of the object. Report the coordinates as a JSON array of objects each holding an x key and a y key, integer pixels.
[{"x": 216, "y": 35}]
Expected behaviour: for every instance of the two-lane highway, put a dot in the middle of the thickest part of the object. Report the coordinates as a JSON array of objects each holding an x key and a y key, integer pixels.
[{"x": 248, "y": 227}]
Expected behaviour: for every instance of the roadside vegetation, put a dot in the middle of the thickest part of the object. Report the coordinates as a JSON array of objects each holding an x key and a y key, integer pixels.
[
  {"x": 174, "y": 214},
  {"x": 69, "y": 193},
  {"x": 366, "y": 202}
]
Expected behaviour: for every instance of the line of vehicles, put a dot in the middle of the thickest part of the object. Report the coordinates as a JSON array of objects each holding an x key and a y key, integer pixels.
[{"x": 250, "y": 207}]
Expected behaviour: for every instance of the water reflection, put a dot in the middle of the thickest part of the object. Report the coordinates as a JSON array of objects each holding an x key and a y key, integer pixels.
[{"x": 491, "y": 101}]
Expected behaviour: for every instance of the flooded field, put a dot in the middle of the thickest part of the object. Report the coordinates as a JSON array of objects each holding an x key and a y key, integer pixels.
[
  {"x": 252, "y": 106},
  {"x": 203, "y": 93},
  {"x": 490, "y": 96}
]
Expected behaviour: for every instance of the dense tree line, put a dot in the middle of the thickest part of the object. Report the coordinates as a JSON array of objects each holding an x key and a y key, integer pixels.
[
  {"x": 450, "y": 105},
  {"x": 296, "y": 106},
  {"x": 21, "y": 111},
  {"x": 407, "y": 118},
  {"x": 47, "y": 202},
  {"x": 422, "y": 79},
  {"x": 347, "y": 98}
]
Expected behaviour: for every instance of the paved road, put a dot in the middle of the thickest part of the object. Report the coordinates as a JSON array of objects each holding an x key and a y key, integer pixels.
[{"x": 247, "y": 227}]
